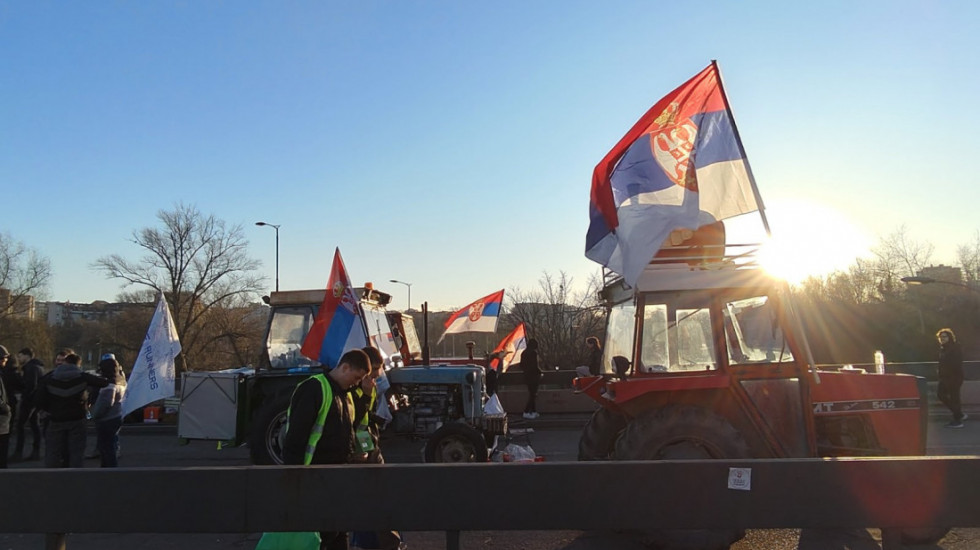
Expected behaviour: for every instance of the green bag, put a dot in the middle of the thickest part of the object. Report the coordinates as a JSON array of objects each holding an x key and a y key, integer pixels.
[{"x": 300, "y": 540}]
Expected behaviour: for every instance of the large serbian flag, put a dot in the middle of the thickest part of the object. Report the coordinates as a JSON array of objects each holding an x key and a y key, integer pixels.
[
  {"x": 509, "y": 351},
  {"x": 480, "y": 316},
  {"x": 337, "y": 327},
  {"x": 681, "y": 166}
]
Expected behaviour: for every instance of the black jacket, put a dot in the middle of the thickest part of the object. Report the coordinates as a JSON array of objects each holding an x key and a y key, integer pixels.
[
  {"x": 32, "y": 371},
  {"x": 950, "y": 360},
  {"x": 63, "y": 392},
  {"x": 336, "y": 445},
  {"x": 5, "y": 410},
  {"x": 13, "y": 382}
]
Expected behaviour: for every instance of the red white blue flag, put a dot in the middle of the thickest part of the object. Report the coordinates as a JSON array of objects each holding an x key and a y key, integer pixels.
[
  {"x": 480, "y": 316},
  {"x": 509, "y": 350},
  {"x": 681, "y": 166},
  {"x": 338, "y": 327}
]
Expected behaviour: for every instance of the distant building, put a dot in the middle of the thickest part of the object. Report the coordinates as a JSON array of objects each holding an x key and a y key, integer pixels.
[
  {"x": 17, "y": 306},
  {"x": 942, "y": 272},
  {"x": 62, "y": 313}
]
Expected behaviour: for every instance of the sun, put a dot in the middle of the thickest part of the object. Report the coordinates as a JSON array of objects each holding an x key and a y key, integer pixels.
[{"x": 810, "y": 239}]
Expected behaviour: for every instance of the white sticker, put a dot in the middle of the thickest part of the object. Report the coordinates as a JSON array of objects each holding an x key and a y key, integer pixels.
[{"x": 740, "y": 479}]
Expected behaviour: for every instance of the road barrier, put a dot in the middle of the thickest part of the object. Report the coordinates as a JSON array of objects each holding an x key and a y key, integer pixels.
[{"x": 890, "y": 493}]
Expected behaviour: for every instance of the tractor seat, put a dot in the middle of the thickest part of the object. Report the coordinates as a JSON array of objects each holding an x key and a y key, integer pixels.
[{"x": 621, "y": 366}]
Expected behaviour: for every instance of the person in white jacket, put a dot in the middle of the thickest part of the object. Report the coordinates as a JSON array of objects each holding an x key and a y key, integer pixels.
[{"x": 107, "y": 411}]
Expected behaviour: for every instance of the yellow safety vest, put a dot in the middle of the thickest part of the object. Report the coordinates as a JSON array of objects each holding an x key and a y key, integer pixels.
[{"x": 321, "y": 417}]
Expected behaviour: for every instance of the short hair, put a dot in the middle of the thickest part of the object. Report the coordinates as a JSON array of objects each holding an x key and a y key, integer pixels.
[
  {"x": 73, "y": 359},
  {"x": 356, "y": 359},
  {"x": 593, "y": 340},
  {"x": 27, "y": 351},
  {"x": 373, "y": 355},
  {"x": 66, "y": 352},
  {"x": 949, "y": 332}
]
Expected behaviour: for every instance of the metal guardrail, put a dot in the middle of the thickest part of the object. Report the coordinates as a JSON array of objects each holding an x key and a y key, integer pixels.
[{"x": 889, "y": 493}]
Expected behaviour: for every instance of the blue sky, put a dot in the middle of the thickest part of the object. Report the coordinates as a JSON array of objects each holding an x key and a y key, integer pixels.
[{"x": 451, "y": 144}]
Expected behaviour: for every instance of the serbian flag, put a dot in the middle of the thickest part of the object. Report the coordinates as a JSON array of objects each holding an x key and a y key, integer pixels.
[
  {"x": 509, "y": 350},
  {"x": 338, "y": 326},
  {"x": 480, "y": 316},
  {"x": 681, "y": 166}
]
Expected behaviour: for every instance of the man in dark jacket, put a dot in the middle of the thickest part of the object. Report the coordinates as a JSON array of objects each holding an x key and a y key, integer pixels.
[
  {"x": 532, "y": 378},
  {"x": 63, "y": 394},
  {"x": 6, "y": 410},
  {"x": 31, "y": 369},
  {"x": 336, "y": 443},
  {"x": 950, "y": 376}
]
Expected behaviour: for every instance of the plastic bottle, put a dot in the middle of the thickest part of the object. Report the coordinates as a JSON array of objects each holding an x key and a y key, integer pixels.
[{"x": 879, "y": 362}]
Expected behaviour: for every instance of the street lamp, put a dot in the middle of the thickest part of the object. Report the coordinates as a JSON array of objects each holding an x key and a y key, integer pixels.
[
  {"x": 913, "y": 281},
  {"x": 409, "y": 285},
  {"x": 276, "y": 227}
]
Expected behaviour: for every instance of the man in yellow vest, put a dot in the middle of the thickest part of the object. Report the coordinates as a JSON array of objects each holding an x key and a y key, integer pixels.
[
  {"x": 320, "y": 423},
  {"x": 366, "y": 426}
]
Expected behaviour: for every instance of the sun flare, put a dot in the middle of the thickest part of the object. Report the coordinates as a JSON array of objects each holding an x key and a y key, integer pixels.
[{"x": 810, "y": 239}]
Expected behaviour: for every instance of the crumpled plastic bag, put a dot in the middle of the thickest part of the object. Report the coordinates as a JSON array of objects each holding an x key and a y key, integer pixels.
[
  {"x": 518, "y": 453},
  {"x": 493, "y": 406}
]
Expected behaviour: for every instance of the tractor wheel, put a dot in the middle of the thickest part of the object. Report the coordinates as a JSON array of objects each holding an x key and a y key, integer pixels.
[
  {"x": 456, "y": 442},
  {"x": 599, "y": 435},
  {"x": 269, "y": 431},
  {"x": 925, "y": 535},
  {"x": 679, "y": 433}
]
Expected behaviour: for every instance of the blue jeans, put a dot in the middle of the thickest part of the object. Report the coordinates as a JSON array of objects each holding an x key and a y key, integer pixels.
[
  {"x": 64, "y": 444},
  {"x": 107, "y": 440}
]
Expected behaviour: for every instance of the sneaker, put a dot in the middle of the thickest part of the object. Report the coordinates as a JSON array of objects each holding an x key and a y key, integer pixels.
[
  {"x": 955, "y": 425},
  {"x": 527, "y": 416},
  {"x": 964, "y": 417}
]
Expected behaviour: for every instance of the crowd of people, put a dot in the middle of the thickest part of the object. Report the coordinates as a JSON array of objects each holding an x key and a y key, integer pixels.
[{"x": 54, "y": 408}]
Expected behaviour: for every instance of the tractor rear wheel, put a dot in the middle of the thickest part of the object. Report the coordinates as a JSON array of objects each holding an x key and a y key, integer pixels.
[
  {"x": 269, "y": 431},
  {"x": 683, "y": 433},
  {"x": 599, "y": 436}
]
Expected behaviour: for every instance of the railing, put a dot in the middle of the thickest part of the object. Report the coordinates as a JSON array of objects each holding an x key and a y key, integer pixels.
[{"x": 890, "y": 493}]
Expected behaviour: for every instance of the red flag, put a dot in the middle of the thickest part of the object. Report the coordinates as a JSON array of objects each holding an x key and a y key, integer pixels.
[{"x": 510, "y": 348}]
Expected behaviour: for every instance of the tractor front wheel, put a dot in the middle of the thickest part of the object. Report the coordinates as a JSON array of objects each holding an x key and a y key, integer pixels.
[
  {"x": 599, "y": 436},
  {"x": 683, "y": 433},
  {"x": 269, "y": 431},
  {"x": 456, "y": 442}
]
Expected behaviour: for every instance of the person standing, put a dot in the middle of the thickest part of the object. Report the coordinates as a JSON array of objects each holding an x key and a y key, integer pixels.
[
  {"x": 950, "y": 375},
  {"x": 320, "y": 424},
  {"x": 595, "y": 355},
  {"x": 31, "y": 370},
  {"x": 367, "y": 429},
  {"x": 532, "y": 377},
  {"x": 107, "y": 411},
  {"x": 6, "y": 411},
  {"x": 63, "y": 394}
]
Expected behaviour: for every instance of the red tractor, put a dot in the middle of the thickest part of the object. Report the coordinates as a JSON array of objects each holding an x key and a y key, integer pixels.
[{"x": 705, "y": 359}]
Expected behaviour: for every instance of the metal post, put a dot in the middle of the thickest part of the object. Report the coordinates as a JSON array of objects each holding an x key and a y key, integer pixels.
[{"x": 276, "y": 227}]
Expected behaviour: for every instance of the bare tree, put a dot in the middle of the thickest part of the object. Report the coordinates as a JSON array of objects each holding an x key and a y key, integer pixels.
[
  {"x": 969, "y": 256},
  {"x": 899, "y": 255},
  {"x": 201, "y": 265},
  {"x": 24, "y": 273},
  {"x": 559, "y": 318}
]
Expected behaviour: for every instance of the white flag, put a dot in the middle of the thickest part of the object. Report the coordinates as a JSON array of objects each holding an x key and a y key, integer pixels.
[{"x": 153, "y": 374}]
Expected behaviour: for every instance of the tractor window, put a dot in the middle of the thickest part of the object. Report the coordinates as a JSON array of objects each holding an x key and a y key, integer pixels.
[
  {"x": 752, "y": 332},
  {"x": 654, "y": 353},
  {"x": 692, "y": 334},
  {"x": 619, "y": 334},
  {"x": 287, "y": 329},
  {"x": 379, "y": 333}
]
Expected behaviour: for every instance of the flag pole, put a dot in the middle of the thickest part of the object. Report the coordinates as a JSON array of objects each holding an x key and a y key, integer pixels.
[
  {"x": 765, "y": 222},
  {"x": 741, "y": 150}
]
